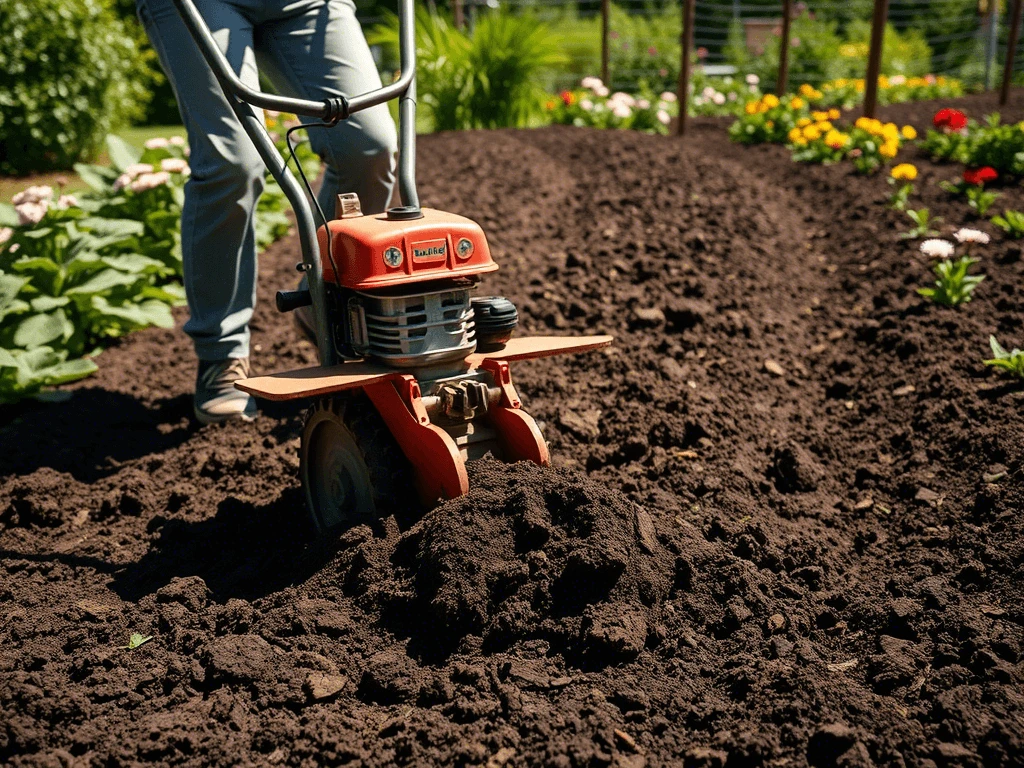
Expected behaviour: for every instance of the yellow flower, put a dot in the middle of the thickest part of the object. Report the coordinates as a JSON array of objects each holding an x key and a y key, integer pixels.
[
  {"x": 836, "y": 140},
  {"x": 834, "y": 114},
  {"x": 889, "y": 149},
  {"x": 812, "y": 133},
  {"x": 801, "y": 142},
  {"x": 904, "y": 172},
  {"x": 805, "y": 121},
  {"x": 909, "y": 132},
  {"x": 806, "y": 90},
  {"x": 883, "y": 81},
  {"x": 769, "y": 124},
  {"x": 819, "y": 116},
  {"x": 864, "y": 123},
  {"x": 750, "y": 108},
  {"x": 770, "y": 100},
  {"x": 795, "y": 135},
  {"x": 797, "y": 103},
  {"x": 824, "y": 125},
  {"x": 891, "y": 132}
]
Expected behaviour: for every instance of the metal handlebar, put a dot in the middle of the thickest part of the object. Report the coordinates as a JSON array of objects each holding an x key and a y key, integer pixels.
[{"x": 242, "y": 98}]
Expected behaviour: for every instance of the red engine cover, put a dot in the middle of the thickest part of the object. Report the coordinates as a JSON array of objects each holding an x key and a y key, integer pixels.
[{"x": 429, "y": 247}]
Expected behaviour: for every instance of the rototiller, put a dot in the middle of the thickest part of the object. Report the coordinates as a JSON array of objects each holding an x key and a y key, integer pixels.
[{"x": 394, "y": 318}]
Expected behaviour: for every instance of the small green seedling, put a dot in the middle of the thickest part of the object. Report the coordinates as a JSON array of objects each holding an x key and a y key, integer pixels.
[
  {"x": 954, "y": 285},
  {"x": 137, "y": 640},
  {"x": 980, "y": 199},
  {"x": 1011, "y": 362},
  {"x": 901, "y": 194},
  {"x": 923, "y": 222},
  {"x": 1011, "y": 222}
]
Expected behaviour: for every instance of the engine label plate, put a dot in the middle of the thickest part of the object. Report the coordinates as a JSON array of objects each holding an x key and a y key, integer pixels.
[{"x": 430, "y": 250}]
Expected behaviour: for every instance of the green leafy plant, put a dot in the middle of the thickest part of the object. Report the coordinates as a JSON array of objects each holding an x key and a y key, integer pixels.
[
  {"x": 592, "y": 106},
  {"x": 491, "y": 79},
  {"x": 953, "y": 286},
  {"x": 923, "y": 223},
  {"x": 980, "y": 199},
  {"x": 901, "y": 195},
  {"x": 1011, "y": 222},
  {"x": 1011, "y": 362},
  {"x": 70, "y": 73},
  {"x": 137, "y": 641}
]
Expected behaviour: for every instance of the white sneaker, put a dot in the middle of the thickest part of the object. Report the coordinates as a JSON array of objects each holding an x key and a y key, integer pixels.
[{"x": 216, "y": 398}]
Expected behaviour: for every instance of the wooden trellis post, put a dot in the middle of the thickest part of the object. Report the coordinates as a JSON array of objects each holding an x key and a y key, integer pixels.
[
  {"x": 683, "y": 95},
  {"x": 1011, "y": 49},
  {"x": 460, "y": 18},
  {"x": 787, "y": 18},
  {"x": 605, "y": 13},
  {"x": 875, "y": 57}
]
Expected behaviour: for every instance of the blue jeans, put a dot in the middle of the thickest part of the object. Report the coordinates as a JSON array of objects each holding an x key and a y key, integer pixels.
[{"x": 311, "y": 49}]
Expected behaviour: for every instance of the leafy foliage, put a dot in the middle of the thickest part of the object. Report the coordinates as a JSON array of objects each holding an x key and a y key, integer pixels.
[
  {"x": 923, "y": 222},
  {"x": 491, "y": 79},
  {"x": 1011, "y": 222},
  {"x": 592, "y": 106},
  {"x": 990, "y": 144},
  {"x": 137, "y": 640},
  {"x": 954, "y": 286},
  {"x": 70, "y": 73},
  {"x": 1011, "y": 362}
]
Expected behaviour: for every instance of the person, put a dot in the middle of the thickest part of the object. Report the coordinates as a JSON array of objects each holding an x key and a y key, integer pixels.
[{"x": 311, "y": 49}]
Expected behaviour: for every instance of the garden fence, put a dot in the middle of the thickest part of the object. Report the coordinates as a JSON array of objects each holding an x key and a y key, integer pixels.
[{"x": 964, "y": 38}]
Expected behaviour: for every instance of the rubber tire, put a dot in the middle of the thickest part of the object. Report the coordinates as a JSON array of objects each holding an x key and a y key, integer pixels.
[{"x": 352, "y": 470}]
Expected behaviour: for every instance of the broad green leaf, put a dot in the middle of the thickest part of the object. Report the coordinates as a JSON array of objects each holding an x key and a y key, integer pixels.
[
  {"x": 10, "y": 287},
  {"x": 48, "y": 303},
  {"x": 104, "y": 281},
  {"x": 72, "y": 370},
  {"x": 122, "y": 154},
  {"x": 104, "y": 227},
  {"x": 98, "y": 179},
  {"x": 40, "y": 330},
  {"x": 8, "y": 216},
  {"x": 134, "y": 263}
]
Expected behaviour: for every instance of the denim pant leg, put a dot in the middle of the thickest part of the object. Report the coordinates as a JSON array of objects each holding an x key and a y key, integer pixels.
[
  {"x": 315, "y": 49},
  {"x": 217, "y": 232}
]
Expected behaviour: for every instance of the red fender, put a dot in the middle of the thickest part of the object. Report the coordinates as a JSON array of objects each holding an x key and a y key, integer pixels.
[{"x": 519, "y": 434}]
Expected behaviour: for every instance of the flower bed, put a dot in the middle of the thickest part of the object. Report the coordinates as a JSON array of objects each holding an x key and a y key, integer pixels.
[
  {"x": 77, "y": 272},
  {"x": 594, "y": 106}
]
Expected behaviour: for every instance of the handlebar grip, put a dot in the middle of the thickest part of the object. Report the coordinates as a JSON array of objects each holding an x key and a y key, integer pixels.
[{"x": 288, "y": 300}]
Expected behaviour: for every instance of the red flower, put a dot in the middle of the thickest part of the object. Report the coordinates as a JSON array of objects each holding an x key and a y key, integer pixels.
[
  {"x": 950, "y": 119},
  {"x": 568, "y": 98},
  {"x": 979, "y": 176}
]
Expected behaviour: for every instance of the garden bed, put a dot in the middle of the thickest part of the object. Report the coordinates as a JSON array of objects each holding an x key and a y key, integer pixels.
[{"x": 792, "y": 484}]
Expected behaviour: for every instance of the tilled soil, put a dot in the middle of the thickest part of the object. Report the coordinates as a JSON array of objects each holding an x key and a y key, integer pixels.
[{"x": 783, "y": 526}]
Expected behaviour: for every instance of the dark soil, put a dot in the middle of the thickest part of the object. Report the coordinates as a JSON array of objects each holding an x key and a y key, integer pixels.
[{"x": 783, "y": 526}]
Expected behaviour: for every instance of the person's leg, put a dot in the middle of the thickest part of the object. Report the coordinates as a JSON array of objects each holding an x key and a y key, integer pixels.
[
  {"x": 217, "y": 232},
  {"x": 315, "y": 49}
]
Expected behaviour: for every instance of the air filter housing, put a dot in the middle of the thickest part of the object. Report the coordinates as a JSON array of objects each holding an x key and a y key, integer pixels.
[{"x": 495, "y": 318}]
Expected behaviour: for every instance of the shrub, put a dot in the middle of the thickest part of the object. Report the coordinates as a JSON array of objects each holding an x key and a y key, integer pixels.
[
  {"x": 769, "y": 119},
  {"x": 70, "y": 72},
  {"x": 489, "y": 80}
]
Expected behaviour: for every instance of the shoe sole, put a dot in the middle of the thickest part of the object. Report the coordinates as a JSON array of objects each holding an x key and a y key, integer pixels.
[{"x": 206, "y": 419}]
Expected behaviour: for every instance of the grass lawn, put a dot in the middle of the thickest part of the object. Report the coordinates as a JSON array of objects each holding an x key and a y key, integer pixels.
[{"x": 137, "y": 135}]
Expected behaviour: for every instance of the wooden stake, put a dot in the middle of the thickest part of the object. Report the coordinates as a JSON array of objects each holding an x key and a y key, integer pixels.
[
  {"x": 787, "y": 18},
  {"x": 605, "y": 12},
  {"x": 683, "y": 94},
  {"x": 460, "y": 20},
  {"x": 875, "y": 57},
  {"x": 1011, "y": 49}
]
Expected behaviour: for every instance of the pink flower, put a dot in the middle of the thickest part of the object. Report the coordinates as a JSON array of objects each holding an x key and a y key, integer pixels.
[
  {"x": 122, "y": 181},
  {"x": 67, "y": 201},
  {"x": 137, "y": 169},
  {"x": 177, "y": 141},
  {"x": 668, "y": 96},
  {"x": 150, "y": 181},
  {"x": 621, "y": 110},
  {"x": 31, "y": 212},
  {"x": 175, "y": 165},
  {"x": 6, "y": 233},
  {"x": 643, "y": 104},
  {"x": 663, "y": 117},
  {"x": 33, "y": 195},
  {"x": 652, "y": 51},
  {"x": 157, "y": 142}
]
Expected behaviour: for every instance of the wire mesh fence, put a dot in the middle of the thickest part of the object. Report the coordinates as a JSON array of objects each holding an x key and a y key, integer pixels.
[{"x": 965, "y": 39}]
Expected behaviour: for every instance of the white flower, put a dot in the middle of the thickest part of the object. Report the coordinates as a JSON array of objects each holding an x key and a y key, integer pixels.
[
  {"x": 591, "y": 83},
  {"x": 14, "y": 248},
  {"x": 643, "y": 104},
  {"x": 122, "y": 181},
  {"x": 175, "y": 165},
  {"x": 157, "y": 142},
  {"x": 33, "y": 195},
  {"x": 753, "y": 89},
  {"x": 137, "y": 169},
  {"x": 663, "y": 117},
  {"x": 67, "y": 201},
  {"x": 732, "y": 95},
  {"x": 601, "y": 90},
  {"x": 668, "y": 96},
  {"x": 708, "y": 92},
  {"x": 177, "y": 141},
  {"x": 727, "y": 81},
  {"x": 698, "y": 101},
  {"x": 621, "y": 110},
  {"x": 150, "y": 180},
  {"x": 937, "y": 249},
  {"x": 623, "y": 98},
  {"x": 752, "y": 79},
  {"x": 897, "y": 80},
  {"x": 967, "y": 235},
  {"x": 31, "y": 212},
  {"x": 586, "y": 104},
  {"x": 6, "y": 233},
  {"x": 719, "y": 99}
]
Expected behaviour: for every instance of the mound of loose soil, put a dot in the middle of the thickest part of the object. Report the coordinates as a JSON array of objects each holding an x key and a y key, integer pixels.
[{"x": 783, "y": 526}]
